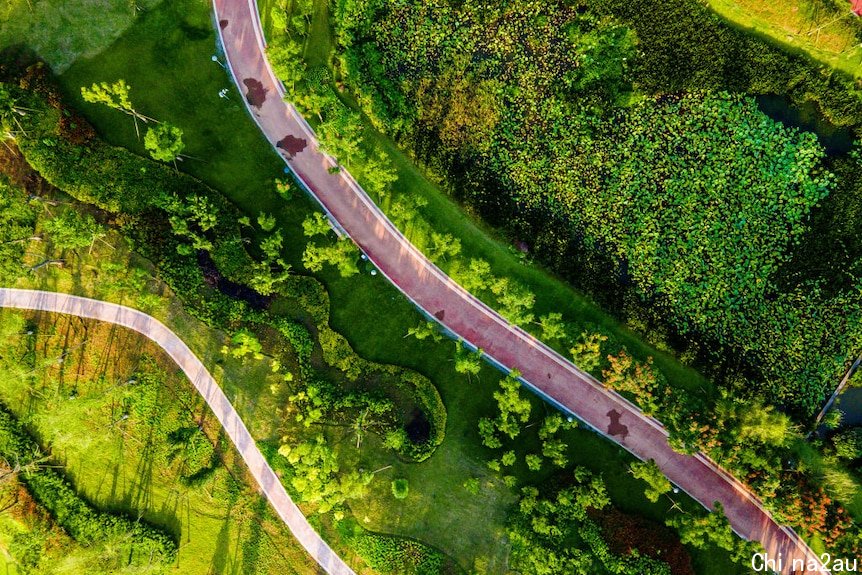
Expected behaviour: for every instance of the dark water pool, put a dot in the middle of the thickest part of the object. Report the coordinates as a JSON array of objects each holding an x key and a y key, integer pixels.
[
  {"x": 836, "y": 139},
  {"x": 850, "y": 402}
]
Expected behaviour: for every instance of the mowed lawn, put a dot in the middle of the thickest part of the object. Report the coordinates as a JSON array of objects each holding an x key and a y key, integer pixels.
[
  {"x": 825, "y": 30},
  {"x": 166, "y": 59}
]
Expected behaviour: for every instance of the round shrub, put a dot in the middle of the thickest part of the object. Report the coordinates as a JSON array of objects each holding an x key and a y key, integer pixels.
[{"x": 400, "y": 488}]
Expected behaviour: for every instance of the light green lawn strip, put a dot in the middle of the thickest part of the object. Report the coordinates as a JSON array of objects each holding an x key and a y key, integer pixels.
[
  {"x": 789, "y": 24},
  {"x": 61, "y": 31}
]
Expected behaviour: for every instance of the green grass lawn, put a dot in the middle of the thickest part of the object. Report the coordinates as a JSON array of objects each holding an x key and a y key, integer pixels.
[
  {"x": 117, "y": 462},
  {"x": 826, "y": 31},
  {"x": 222, "y": 526},
  {"x": 53, "y": 30},
  {"x": 165, "y": 57}
]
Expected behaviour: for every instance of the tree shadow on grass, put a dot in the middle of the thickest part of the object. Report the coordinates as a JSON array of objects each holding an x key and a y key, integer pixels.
[{"x": 251, "y": 544}]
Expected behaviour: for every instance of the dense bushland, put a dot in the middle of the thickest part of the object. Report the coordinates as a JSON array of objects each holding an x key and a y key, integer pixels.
[{"x": 693, "y": 202}]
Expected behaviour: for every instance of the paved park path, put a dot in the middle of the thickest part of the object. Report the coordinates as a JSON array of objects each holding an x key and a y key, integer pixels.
[
  {"x": 545, "y": 371},
  {"x": 218, "y": 402}
]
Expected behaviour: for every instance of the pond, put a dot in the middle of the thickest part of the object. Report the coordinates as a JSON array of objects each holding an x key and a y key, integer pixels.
[
  {"x": 836, "y": 139},
  {"x": 850, "y": 402}
]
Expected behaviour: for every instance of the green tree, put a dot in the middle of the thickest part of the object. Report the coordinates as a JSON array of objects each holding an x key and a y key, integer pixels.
[
  {"x": 625, "y": 374},
  {"x": 764, "y": 424},
  {"x": 534, "y": 462},
  {"x": 266, "y": 221},
  {"x": 115, "y": 96},
  {"x": 71, "y": 230},
  {"x": 587, "y": 351},
  {"x": 242, "y": 344},
  {"x": 164, "y": 142},
  {"x": 379, "y": 175},
  {"x": 700, "y": 530},
  {"x": 514, "y": 301},
  {"x": 316, "y": 476},
  {"x": 552, "y": 326},
  {"x": 443, "y": 246},
  {"x": 191, "y": 218},
  {"x": 476, "y": 278},
  {"x": 488, "y": 433},
  {"x": 285, "y": 58},
  {"x": 508, "y": 459},
  {"x": 472, "y": 486},
  {"x": 284, "y": 189},
  {"x": 424, "y": 330},
  {"x": 274, "y": 270},
  {"x": 657, "y": 483},
  {"x": 467, "y": 361},
  {"x": 316, "y": 224},
  {"x": 400, "y": 488},
  {"x": 343, "y": 255},
  {"x": 340, "y": 135},
  {"x": 514, "y": 408}
]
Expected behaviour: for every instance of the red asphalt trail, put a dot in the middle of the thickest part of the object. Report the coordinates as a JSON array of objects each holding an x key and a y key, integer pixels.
[{"x": 545, "y": 371}]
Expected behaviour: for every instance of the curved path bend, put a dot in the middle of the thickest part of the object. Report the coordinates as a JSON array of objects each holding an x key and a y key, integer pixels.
[
  {"x": 545, "y": 371},
  {"x": 218, "y": 402}
]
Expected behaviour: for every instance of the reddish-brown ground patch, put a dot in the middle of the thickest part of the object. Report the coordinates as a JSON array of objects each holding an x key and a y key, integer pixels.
[
  {"x": 15, "y": 167},
  {"x": 440, "y": 315},
  {"x": 625, "y": 533},
  {"x": 615, "y": 427},
  {"x": 292, "y": 145},
  {"x": 256, "y": 94},
  {"x": 222, "y": 24}
]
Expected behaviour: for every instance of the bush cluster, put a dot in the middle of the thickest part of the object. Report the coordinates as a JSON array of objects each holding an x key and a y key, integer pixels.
[{"x": 143, "y": 543}]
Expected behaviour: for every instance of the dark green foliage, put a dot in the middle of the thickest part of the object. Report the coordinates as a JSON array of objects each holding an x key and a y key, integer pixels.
[
  {"x": 164, "y": 142},
  {"x": 684, "y": 46},
  {"x": 554, "y": 533},
  {"x": 17, "y": 221},
  {"x": 397, "y": 555},
  {"x": 693, "y": 203},
  {"x": 143, "y": 543},
  {"x": 848, "y": 444},
  {"x": 400, "y": 488}
]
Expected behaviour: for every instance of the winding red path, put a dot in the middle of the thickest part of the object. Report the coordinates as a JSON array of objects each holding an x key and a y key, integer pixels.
[{"x": 545, "y": 371}]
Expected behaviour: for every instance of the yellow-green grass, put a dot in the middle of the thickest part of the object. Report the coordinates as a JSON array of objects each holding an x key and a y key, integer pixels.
[
  {"x": 826, "y": 31},
  {"x": 51, "y": 29},
  {"x": 111, "y": 461}
]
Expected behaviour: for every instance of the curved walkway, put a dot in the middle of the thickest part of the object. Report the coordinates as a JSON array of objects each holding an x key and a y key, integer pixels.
[
  {"x": 218, "y": 402},
  {"x": 545, "y": 371}
]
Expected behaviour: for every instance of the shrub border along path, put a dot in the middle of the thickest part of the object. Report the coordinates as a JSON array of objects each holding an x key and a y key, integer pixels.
[
  {"x": 438, "y": 296},
  {"x": 218, "y": 402}
]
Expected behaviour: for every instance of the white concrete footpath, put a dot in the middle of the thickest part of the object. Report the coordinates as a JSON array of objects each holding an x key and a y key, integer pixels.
[{"x": 218, "y": 402}]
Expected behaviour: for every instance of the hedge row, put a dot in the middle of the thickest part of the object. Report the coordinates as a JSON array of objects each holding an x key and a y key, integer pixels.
[
  {"x": 397, "y": 555},
  {"x": 144, "y": 543}
]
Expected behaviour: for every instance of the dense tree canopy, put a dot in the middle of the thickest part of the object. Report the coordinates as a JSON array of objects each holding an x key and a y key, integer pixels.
[{"x": 695, "y": 200}]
